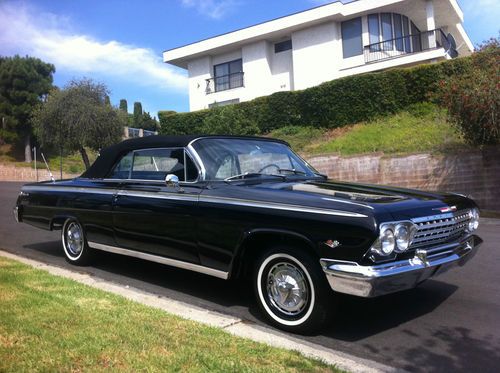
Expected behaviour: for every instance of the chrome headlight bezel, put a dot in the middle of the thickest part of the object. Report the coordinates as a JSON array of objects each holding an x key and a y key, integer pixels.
[
  {"x": 394, "y": 237},
  {"x": 473, "y": 223}
]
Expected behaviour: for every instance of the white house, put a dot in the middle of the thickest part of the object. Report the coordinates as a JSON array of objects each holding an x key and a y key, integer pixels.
[{"x": 304, "y": 49}]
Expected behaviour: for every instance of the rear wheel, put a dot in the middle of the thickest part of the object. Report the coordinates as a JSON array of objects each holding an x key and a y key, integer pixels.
[
  {"x": 291, "y": 290},
  {"x": 74, "y": 243}
]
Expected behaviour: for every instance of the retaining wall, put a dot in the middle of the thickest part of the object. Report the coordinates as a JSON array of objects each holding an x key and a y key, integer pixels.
[{"x": 474, "y": 173}]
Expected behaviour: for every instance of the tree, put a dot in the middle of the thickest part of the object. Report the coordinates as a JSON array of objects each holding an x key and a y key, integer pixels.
[
  {"x": 77, "y": 117},
  {"x": 123, "y": 105},
  {"x": 137, "y": 114},
  {"x": 473, "y": 99},
  {"x": 149, "y": 123},
  {"x": 24, "y": 83}
]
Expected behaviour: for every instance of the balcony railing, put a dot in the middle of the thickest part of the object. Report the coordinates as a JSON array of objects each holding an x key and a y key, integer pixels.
[
  {"x": 224, "y": 82},
  {"x": 402, "y": 46}
]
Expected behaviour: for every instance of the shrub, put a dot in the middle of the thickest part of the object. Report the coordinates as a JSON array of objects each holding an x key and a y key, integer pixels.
[
  {"x": 228, "y": 120},
  {"x": 332, "y": 104},
  {"x": 473, "y": 98}
]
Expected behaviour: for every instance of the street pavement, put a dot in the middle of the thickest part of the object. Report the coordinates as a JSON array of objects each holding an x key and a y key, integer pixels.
[{"x": 448, "y": 324}]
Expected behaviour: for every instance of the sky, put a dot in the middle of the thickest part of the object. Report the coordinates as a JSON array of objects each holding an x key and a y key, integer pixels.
[{"x": 120, "y": 42}]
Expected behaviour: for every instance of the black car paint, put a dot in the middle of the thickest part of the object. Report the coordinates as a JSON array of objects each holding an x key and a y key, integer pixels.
[{"x": 215, "y": 235}]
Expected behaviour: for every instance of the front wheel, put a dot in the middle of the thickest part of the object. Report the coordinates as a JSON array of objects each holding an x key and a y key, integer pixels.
[
  {"x": 291, "y": 290},
  {"x": 74, "y": 243}
]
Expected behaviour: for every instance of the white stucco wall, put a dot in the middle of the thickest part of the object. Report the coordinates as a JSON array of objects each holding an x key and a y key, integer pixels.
[
  {"x": 281, "y": 69},
  {"x": 317, "y": 54},
  {"x": 198, "y": 71}
]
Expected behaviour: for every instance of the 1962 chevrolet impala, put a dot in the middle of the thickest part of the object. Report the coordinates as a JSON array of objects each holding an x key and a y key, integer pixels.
[{"x": 250, "y": 207}]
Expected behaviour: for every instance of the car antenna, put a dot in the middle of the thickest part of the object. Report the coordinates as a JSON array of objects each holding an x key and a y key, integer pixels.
[{"x": 48, "y": 169}]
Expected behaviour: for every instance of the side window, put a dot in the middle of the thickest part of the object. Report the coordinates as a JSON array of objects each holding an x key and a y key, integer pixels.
[
  {"x": 155, "y": 164},
  {"x": 122, "y": 169}
]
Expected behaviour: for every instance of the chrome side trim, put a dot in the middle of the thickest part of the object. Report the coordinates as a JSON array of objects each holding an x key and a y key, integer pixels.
[
  {"x": 278, "y": 206},
  {"x": 201, "y": 198},
  {"x": 58, "y": 188},
  {"x": 159, "y": 195},
  {"x": 160, "y": 259}
]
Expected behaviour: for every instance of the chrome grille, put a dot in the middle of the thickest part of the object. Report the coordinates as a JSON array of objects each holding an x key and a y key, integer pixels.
[{"x": 432, "y": 230}]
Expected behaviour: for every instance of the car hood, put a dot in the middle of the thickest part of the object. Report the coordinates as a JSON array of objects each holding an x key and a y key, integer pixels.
[{"x": 399, "y": 203}]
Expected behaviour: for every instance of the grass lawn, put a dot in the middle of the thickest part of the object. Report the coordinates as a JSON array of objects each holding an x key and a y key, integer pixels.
[
  {"x": 423, "y": 128},
  {"x": 48, "y": 323}
]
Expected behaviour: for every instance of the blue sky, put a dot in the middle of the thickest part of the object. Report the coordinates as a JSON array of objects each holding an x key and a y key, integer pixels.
[{"x": 121, "y": 42}]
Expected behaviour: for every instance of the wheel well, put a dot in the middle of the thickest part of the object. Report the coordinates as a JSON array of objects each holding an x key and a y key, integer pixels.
[{"x": 256, "y": 243}]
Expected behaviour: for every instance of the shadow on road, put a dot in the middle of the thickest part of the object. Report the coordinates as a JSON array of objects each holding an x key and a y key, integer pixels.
[{"x": 464, "y": 352}]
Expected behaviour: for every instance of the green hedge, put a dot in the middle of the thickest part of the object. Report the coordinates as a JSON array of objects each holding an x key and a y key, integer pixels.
[{"x": 332, "y": 104}]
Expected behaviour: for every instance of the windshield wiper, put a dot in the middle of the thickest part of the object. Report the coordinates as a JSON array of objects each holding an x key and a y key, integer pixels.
[
  {"x": 291, "y": 170},
  {"x": 251, "y": 174}
]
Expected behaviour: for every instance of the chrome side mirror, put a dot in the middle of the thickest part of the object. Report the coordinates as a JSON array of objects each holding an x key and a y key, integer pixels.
[{"x": 172, "y": 180}]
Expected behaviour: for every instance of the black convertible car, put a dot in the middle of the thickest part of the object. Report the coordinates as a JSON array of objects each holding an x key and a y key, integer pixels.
[{"x": 250, "y": 207}]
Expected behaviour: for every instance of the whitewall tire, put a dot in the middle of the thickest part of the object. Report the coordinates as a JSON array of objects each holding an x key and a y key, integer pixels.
[
  {"x": 74, "y": 243},
  {"x": 291, "y": 290}
]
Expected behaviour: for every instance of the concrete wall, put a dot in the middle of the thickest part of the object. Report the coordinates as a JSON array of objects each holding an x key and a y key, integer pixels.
[
  {"x": 476, "y": 174},
  {"x": 11, "y": 173}
]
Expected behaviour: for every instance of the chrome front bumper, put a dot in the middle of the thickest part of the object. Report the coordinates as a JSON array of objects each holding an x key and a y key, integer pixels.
[{"x": 372, "y": 281}]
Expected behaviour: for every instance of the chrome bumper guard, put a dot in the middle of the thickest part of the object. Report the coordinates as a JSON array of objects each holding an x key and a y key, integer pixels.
[{"x": 372, "y": 281}]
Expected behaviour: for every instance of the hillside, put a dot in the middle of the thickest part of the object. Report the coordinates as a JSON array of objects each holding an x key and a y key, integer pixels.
[{"x": 421, "y": 128}]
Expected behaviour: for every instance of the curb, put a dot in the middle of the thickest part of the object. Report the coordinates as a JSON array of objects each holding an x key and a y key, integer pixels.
[{"x": 232, "y": 325}]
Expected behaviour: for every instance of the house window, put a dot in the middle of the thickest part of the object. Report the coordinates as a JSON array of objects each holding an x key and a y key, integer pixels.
[
  {"x": 416, "y": 38},
  {"x": 228, "y": 75},
  {"x": 392, "y": 31},
  {"x": 398, "y": 32},
  {"x": 283, "y": 46},
  {"x": 352, "y": 43},
  {"x": 386, "y": 23},
  {"x": 406, "y": 32},
  {"x": 224, "y": 103},
  {"x": 374, "y": 30}
]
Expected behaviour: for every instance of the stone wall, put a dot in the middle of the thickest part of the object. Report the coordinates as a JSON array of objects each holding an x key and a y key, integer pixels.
[
  {"x": 474, "y": 173},
  {"x": 12, "y": 173}
]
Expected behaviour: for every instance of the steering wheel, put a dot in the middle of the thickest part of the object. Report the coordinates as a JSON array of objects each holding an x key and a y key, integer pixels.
[{"x": 269, "y": 165}]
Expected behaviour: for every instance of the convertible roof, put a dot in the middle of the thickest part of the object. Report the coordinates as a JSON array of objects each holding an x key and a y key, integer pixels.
[{"x": 110, "y": 155}]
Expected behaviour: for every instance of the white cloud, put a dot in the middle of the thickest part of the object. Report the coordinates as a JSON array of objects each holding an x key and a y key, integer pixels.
[
  {"x": 49, "y": 37},
  {"x": 215, "y": 9}
]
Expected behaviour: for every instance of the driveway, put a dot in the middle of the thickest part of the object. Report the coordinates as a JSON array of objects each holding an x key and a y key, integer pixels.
[{"x": 448, "y": 324}]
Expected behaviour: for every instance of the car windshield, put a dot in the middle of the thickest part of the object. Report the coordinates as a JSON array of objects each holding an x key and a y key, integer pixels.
[{"x": 227, "y": 159}]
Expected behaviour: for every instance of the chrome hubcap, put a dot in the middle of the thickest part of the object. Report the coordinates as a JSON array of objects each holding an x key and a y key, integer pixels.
[
  {"x": 74, "y": 239},
  {"x": 287, "y": 288}
]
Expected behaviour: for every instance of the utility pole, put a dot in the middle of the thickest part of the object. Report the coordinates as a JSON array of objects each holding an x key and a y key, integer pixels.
[{"x": 61, "y": 154}]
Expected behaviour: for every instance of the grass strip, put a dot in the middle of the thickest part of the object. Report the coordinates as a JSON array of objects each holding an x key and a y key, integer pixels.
[{"x": 48, "y": 323}]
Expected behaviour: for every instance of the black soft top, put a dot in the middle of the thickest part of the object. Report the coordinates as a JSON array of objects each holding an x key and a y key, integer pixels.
[{"x": 110, "y": 155}]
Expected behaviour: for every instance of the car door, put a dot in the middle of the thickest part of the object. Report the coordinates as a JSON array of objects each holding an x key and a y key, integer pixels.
[{"x": 155, "y": 218}]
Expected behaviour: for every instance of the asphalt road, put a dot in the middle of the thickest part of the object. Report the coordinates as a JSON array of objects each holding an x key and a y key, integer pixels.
[{"x": 448, "y": 324}]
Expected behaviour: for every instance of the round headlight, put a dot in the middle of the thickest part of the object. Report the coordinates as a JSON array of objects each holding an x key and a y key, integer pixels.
[
  {"x": 403, "y": 237},
  {"x": 474, "y": 220},
  {"x": 387, "y": 242}
]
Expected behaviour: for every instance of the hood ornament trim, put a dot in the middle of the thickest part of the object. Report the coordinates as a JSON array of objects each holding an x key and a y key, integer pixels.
[{"x": 446, "y": 209}]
